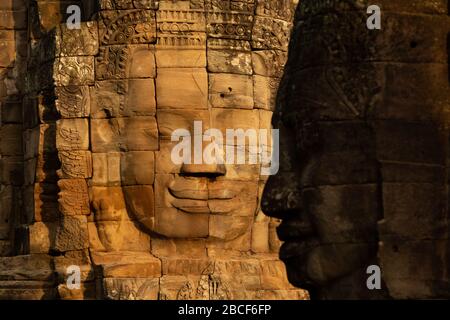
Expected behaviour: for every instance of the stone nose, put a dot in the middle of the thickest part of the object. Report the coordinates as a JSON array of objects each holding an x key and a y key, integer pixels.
[
  {"x": 203, "y": 170},
  {"x": 281, "y": 197}
]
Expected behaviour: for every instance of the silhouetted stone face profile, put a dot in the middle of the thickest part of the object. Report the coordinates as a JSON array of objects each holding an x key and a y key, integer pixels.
[{"x": 363, "y": 119}]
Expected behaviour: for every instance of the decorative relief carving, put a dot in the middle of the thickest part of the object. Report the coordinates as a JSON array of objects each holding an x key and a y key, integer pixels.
[
  {"x": 72, "y": 134},
  {"x": 70, "y": 71},
  {"x": 269, "y": 63},
  {"x": 247, "y": 6},
  {"x": 131, "y": 289},
  {"x": 73, "y": 101},
  {"x": 75, "y": 164},
  {"x": 111, "y": 63},
  {"x": 181, "y": 28},
  {"x": 128, "y": 4},
  {"x": 270, "y": 33},
  {"x": 74, "y": 197},
  {"x": 78, "y": 42},
  {"x": 230, "y": 25},
  {"x": 128, "y": 26},
  {"x": 278, "y": 9}
]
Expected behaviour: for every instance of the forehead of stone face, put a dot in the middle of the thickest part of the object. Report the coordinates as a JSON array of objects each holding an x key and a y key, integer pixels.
[{"x": 183, "y": 40}]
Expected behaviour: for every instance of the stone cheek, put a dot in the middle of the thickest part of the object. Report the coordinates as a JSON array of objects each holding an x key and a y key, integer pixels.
[{"x": 99, "y": 186}]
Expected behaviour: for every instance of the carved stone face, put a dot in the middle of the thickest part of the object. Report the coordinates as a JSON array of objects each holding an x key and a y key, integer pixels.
[
  {"x": 362, "y": 160},
  {"x": 160, "y": 70}
]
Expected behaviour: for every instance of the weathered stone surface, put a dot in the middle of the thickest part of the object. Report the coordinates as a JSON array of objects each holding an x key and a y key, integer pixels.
[
  {"x": 6, "y": 197},
  {"x": 11, "y": 170},
  {"x": 127, "y": 264},
  {"x": 269, "y": 63},
  {"x": 429, "y": 277},
  {"x": 137, "y": 168},
  {"x": 6, "y": 249},
  {"x": 73, "y": 197},
  {"x": 11, "y": 142},
  {"x": 11, "y": 111},
  {"x": 106, "y": 169},
  {"x": 140, "y": 202},
  {"x": 142, "y": 64},
  {"x": 72, "y": 134},
  {"x": 235, "y": 119},
  {"x": 191, "y": 86},
  {"x": 27, "y": 290},
  {"x": 131, "y": 289},
  {"x": 231, "y": 91},
  {"x": 74, "y": 258},
  {"x": 260, "y": 234},
  {"x": 430, "y": 218},
  {"x": 87, "y": 291},
  {"x": 269, "y": 33},
  {"x": 78, "y": 42},
  {"x": 123, "y": 98},
  {"x": 75, "y": 164},
  {"x": 74, "y": 71},
  {"x": 119, "y": 236},
  {"x": 40, "y": 202},
  {"x": 130, "y": 168},
  {"x": 124, "y": 134},
  {"x": 230, "y": 61},
  {"x": 73, "y": 101},
  {"x": 26, "y": 268},
  {"x": 180, "y": 58},
  {"x": 71, "y": 234},
  {"x": 265, "y": 91},
  {"x": 39, "y": 140},
  {"x": 108, "y": 203}
]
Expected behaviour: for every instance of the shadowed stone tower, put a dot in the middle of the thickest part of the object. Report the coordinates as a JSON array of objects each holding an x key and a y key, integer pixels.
[
  {"x": 99, "y": 190},
  {"x": 364, "y": 119}
]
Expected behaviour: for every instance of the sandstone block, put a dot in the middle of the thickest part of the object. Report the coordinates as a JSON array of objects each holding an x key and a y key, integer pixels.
[
  {"x": 182, "y": 88},
  {"x": 72, "y": 134},
  {"x": 124, "y": 134},
  {"x": 73, "y": 197},
  {"x": 108, "y": 204},
  {"x": 73, "y": 101},
  {"x": 75, "y": 164},
  {"x": 106, "y": 169},
  {"x": 131, "y": 289},
  {"x": 137, "y": 168},
  {"x": 124, "y": 98},
  {"x": 231, "y": 91},
  {"x": 127, "y": 264}
]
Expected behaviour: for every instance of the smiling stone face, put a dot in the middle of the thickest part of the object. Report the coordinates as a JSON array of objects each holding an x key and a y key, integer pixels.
[
  {"x": 162, "y": 69},
  {"x": 163, "y": 66}
]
